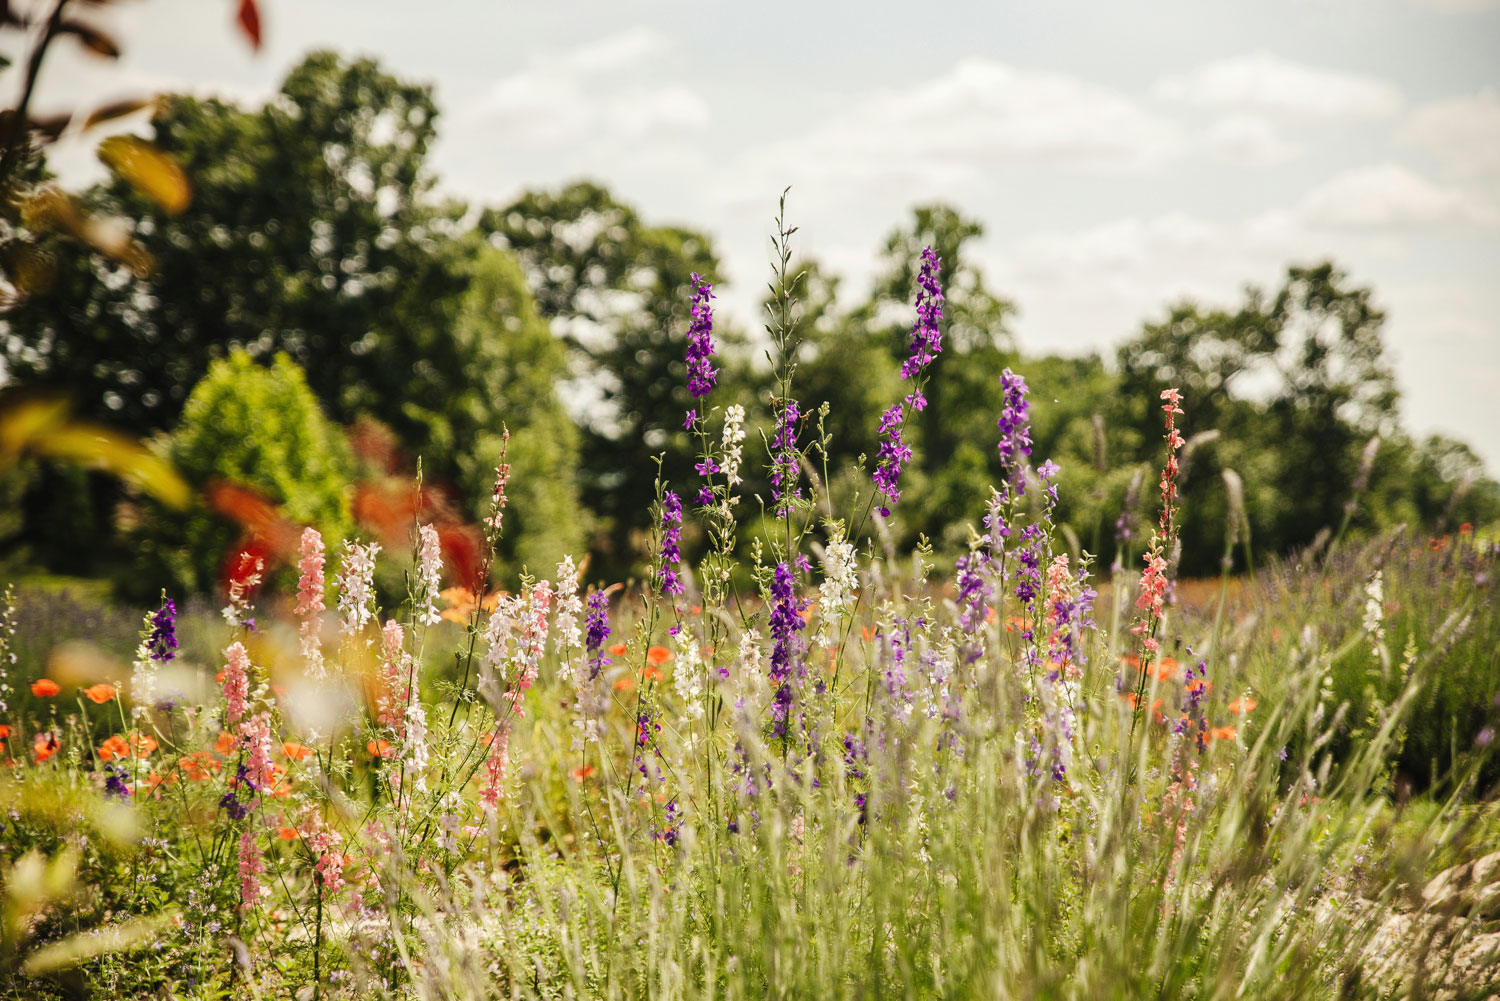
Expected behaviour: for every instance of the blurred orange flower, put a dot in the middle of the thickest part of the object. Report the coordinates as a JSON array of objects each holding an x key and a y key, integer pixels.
[
  {"x": 658, "y": 655},
  {"x": 624, "y": 684},
  {"x": 4, "y": 731},
  {"x": 1242, "y": 706},
  {"x": 1221, "y": 733},
  {"x": 114, "y": 747},
  {"x": 617, "y": 649},
  {"x": 295, "y": 751},
  {"x": 377, "y": 748},
  {"x": 652, "y": 673},
  {"x": 142, "y": 744},
  {"x": 225, "y": 743},
  {"x": 44, "y": 746},
  {"x": 1166, "y": 669},
  {"x": 100, "y": 693},
  {"x": 579, "y": 774},
  {"x": 45, "y": 689},
  {"x": 287, "y": 833}
]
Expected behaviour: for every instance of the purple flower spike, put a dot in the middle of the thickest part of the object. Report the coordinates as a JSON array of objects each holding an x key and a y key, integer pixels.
[
  {"x": 1015, "y": 428},
  {"x": 786, "y": 651},
  {"x": 596, "y": 626},
  {"x": 785, "y": 468},
  {"x": 701, "y": 374},
  {"x": 162, "y": 642},
  {"x": 671, "y": 539},
  {"x": 926, "y": 339}
]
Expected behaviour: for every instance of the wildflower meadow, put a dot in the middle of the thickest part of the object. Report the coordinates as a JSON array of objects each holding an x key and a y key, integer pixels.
[{"x": 804, "y": 764}]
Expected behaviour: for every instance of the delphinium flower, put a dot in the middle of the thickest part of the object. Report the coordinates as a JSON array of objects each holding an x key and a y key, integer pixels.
[
  {"x": 567, "y": 639},
  {"x": 495, "y": 770},
  {"x": 925, "y": 344},
  {"x": 162, "y": 641},
  {"x": 236, "y": 683},
  {"x": 429, "y": 575},
  {"x": 671, "y": 538},
  {"x": 1014, "y": 425},
  {"x": 497, "y": 496},
  {"x": 596, "y": 625},
  {"x": 414, "y": 745},
  {"x": 732, "y": 445},
  {"x": 1154, "y": 577},
  {"x": 786, "y": 650},
  {"x": 328, "y": 870},
  {"x": 973, "y": 598},
  {"x": 310, "y": 563},
  {"x": 116, "y": 781},
  {"x": 840, "y": 582},
  {"x": 395, "y": 663},
  {"x": 255, "y": 741},
  {"x": 356, "y": 581},
  {"x": 786, "y": 469},
  {"x": 701, "y": 375},
  {"x": 242, "y": 583},
  {"x": 1374, "y": 620},
  {"x": 531, "y": 643},
  {"x": 1070, "y": 611},
  {"x": 251, "y": 866}
]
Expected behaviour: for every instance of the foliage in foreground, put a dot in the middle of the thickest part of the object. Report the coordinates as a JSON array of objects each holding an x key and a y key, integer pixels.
[{"x": 847, "y": 777}]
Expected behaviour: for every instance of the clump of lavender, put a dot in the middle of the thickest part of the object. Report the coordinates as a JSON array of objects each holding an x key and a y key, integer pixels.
[
  {"x": 114, "y": 782},
  {"x": 925, "y": 345},
  {"x": 701, "y": 374},
  {"x": 785, "y": 469},
  {"x": 786, "y": 649},
  {"x": 671, "y": 540}
]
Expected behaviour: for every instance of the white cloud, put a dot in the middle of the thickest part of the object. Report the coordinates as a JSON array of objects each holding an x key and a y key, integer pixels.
[
  {"x": 1248, "y": 140},
  {"x": 1388, "y": 195},
  {"x": 1462, "y": 134},
  {"x": 945, "y": 132},
  {"x": 1266, "y": 84},
  {"x": 586, "y": 95},
  {"x": 1460, "y": 6}
]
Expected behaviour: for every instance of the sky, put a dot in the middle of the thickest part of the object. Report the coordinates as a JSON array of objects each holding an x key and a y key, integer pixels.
[{"x": 1120, "y": 156}]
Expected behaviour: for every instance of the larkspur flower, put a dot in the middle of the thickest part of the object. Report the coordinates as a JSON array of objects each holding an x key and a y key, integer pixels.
[
  {"x": 429, "y": 575},
  {"x": 1014, "y": 424},
  {"x": 1154, "y": 577},
  {"x": 596, "y": 625},
  {"x": 395, "y": 665},
  {"x": 926, "y": 341},
  {"x": 701, "y": 375},
  {"x": 732, "y": 443},
  {"x": 356, "y": 581},
  {"x": 671, "y": 537},
  {"x": 787, "y": 649},
  {"x": 840, "y": 582},
  {"x": 162, "y": 642},
  {"x": 786, "y": 468},
  {"x": 251, "y": 866},
  {"x": 567, "y": 639},
  {"x": 894, "y": 454},
  {"x": 310, "y": 564},
  {"x": 502, "y": 480},
  {"x": 236, "y": 683},
  {"x": 925, "y": 344}
]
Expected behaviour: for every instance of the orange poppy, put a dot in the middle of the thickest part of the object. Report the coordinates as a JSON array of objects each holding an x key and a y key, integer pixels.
[
  {"x": 294, "y": 750},
  {"x": 1015, "y": 622},
  {"x": 1221, "y": 733},
  {"x": 4, "y": 731},
  {"x": 617, "y": 649},
  {"x": 114, "y": 747},
  {"x": 1438, "y": 544},
  {"x": 142, "y": 744},
  {"x": 624, "y": 684},
  {"x": 279, "y": 691},
  {"x": 1242, "y": 706},
  {"x": 287, "y": 833},
  {"x": 989, "y": 614},
  {"x": 579, "y": 774},
  {"x": 1166, "y": 669},
  {"x": 100, "y": 693},
  {"x": 695, "y": 609},
  {"x": 1156, "y": 712},
  {"x": 378, "y": 748},
  {"x": 43, "y": 746},
  {"x": 866, "y": 633},
  {"x": 652, "y": 673},
  {"x": 199, "y": 766},
  {"x": 225, "y": 743},
  {"x": 658, "y": 655},
  {"x": 1198, "y": 684},
  {"x": 1130, "y": 660},
  {"x": 1467, "y": 528},
  {"x": 45, "y": 688},
  {"x": 1131, "y": 699}
]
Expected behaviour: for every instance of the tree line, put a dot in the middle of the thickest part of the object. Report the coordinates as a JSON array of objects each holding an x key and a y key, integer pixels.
[{"x": 319, "y": 317}]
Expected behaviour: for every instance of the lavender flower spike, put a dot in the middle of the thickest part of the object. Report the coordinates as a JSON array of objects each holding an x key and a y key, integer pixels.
[
  {"x": 162, "y": 642},
  {"x": 926, "y": 339},
  {"x": 701, "y": 374},
  {"x": 671, "y": 539},
  {"x": 1015, "y": 429}
]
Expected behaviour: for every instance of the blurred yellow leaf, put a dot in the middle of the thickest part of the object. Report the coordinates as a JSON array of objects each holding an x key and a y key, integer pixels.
[
  {"x": 26, "y": 420},
  {"x": 118, "y": 453},
  {"x": 153, "y": 173}
]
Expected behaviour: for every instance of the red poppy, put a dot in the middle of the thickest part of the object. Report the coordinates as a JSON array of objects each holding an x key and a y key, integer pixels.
[
  {"x": 617, "y": 649},
  {"x": 45, "y": 688},
  {"x": 44, "y": 746},
  {"x": 114, "y": 747},
  {"x": 295, "y": 751},
  {"x": 378, "y": 748},
  {"x": 1242, "y": 706},
  {"x": 658, "y": 655}
]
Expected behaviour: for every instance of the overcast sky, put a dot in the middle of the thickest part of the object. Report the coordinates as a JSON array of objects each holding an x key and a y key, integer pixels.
[{"x": 1119, "y": 154}]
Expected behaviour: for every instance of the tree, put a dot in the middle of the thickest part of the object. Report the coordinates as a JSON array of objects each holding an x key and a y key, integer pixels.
[{"x": 618, "y": 291}]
